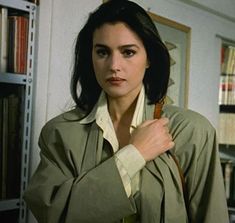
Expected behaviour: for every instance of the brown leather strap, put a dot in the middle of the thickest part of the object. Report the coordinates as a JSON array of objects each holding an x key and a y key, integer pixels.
[
  {"x": 158, "y": 108},
  {"x": 157, "y": 115},
  {"x": 183, "y": 183}
]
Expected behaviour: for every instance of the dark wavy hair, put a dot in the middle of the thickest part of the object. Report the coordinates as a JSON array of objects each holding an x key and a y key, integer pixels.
[{"x": 156, "y": 76}]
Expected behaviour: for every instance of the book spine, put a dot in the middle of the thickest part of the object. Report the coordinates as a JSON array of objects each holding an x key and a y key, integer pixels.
[
  {"x": 227, "y": 178},
  {"x": 17, "y": 48},
  {"x": 3, "y": 39},
  {"x": 4, "y": 149},
  {"x": 227, "y": 79}
]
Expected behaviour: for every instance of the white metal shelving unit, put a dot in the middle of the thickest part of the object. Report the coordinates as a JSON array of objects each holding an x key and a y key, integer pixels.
[
  {"x": 227, "y": 151},
  {"x": 26, "y": 81}
]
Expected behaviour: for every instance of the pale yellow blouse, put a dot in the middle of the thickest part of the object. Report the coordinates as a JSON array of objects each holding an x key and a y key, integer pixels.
[{"x": 129, "y": 161}]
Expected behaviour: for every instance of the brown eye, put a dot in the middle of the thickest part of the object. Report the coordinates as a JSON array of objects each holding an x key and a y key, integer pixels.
[
  {"x": 102, "y": 53},
  {"x": 128, "y": 53}
]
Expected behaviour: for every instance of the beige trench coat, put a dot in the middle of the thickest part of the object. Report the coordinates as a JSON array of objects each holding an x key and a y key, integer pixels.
[{"x": 77, "y": 180}]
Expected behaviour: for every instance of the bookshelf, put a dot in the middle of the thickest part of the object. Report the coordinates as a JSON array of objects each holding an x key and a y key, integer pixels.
[
  {"x": 17, "y": 44},
  {"x": 227, "y": 121}
]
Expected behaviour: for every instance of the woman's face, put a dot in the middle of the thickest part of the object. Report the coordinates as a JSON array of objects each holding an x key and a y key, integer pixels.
[{"x": 119, "y": 60}]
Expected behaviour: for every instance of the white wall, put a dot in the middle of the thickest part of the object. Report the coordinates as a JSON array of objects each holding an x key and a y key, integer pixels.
[
  {"x": 59, "y": 23},
  {"x": 225, "y": 8},
  {"x": 205, "y": 52}
]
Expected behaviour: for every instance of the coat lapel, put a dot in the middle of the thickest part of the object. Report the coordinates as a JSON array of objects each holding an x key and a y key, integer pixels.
[
  {"x": 165, "y": 180},
  {"x": 93, "y": 149}
]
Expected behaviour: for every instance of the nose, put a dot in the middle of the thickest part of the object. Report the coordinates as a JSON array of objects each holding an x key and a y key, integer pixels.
[{"x": 115, "y": 62}]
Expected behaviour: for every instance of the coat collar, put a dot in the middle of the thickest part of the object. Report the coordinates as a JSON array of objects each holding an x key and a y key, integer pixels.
[{"x": 77, "y": 115}]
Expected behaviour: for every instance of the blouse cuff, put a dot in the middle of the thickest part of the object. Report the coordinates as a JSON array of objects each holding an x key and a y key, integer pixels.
[{"x": 130, "y": 159}]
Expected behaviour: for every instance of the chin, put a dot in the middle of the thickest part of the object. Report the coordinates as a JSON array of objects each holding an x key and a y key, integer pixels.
[{"x": 115, "y": 93}]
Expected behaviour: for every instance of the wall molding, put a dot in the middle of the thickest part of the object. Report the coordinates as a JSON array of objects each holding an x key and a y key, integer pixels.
[{"x": 210, "y": 10}]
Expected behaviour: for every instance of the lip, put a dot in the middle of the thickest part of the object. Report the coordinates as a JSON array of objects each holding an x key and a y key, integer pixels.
[{"x": 115, "y": 80}]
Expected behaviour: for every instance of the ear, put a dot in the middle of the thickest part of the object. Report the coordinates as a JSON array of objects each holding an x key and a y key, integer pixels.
[{"x": 147, "y": 64}]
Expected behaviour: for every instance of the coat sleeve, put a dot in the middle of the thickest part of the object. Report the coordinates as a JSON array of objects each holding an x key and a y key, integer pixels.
[
  {"x": 207, "y": 194},
  {"x": 55, "y": 194},
  {"x": 196, "y": 149}
]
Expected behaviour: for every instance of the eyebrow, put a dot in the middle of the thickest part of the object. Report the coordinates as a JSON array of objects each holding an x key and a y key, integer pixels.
[{"x": 122, "y": 46}]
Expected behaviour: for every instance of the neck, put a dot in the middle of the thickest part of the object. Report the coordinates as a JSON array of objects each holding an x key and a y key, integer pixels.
[
  {"x": 121, "y": 114},
  {"x": 121, "y": 110}
]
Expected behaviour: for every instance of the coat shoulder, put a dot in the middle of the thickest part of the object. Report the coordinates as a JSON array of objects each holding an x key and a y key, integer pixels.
[
  {"x": 187, "y": 118},
  {"x": 63, "y": 123},
  {"x": 190, "y": 131}
]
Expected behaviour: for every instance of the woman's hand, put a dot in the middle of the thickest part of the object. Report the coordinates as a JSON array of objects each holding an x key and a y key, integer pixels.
[{"x": 152, "y": 138}]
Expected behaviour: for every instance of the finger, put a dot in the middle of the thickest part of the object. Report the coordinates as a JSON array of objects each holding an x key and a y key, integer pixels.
[
  {"x": 171, "y": 145},
  {"x": 147, "y": 122},
  {"x": 164, "y": 121}
]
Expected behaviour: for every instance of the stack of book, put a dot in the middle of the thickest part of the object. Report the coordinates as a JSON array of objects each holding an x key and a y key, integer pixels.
[
  {"x": 13, "y": 41},
  {"x": 3, "y": 39},
  {"x": 228, "y": 168},
  {"x": 226, "y": 130},
  {"x": 10, "y": 147},
  {"x": 227, "y": 78}
]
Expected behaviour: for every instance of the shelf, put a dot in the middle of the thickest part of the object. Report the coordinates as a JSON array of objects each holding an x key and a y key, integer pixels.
[
  {"x": 15, "y": 210},
  {"x": 227, "y": 152},
  {"x": 225, "y": 74},
  {"x": 227, "y": 108},
  {"x": 20, "y": 5},
  {"x": 9, "y": 204},
  {"x": 231, "y": 214},
  {"x": 231, "y": 209},
  {"x": 13, "y": 78}
]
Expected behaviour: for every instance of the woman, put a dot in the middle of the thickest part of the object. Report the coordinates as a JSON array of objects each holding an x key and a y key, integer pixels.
[{"x": 109, "y": 160}]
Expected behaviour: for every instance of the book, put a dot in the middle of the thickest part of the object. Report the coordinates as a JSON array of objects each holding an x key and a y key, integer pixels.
[
  {"x": 227, "y": 178},
  {"x": 226, "y": 133},
  {"x": 14, "y": 147},
  {"x": 227, "y": 78},
  {"x": 227, "y": 90},
  {"x": 11, "y": 45},
  {"x": 228, "y": 60},
  {"x": 228, "y": 170},
  {"x": 17, "y": 47},
  {"x": 3, "y": 39},
  {"x": 231, "y": 61},
  {"x": 4, "y": 149},
  {"x": 10, "y": 143},
  {"x": 21, "y": 45}
]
